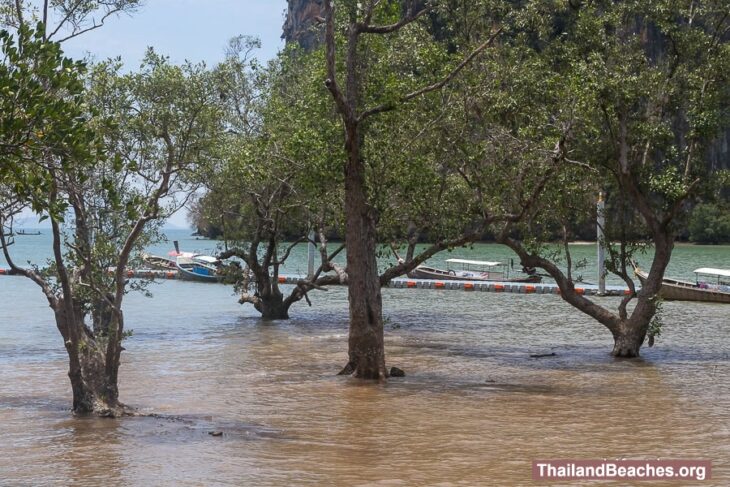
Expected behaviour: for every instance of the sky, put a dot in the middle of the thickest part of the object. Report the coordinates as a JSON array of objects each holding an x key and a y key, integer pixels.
[{"x": 192, "y": 30}]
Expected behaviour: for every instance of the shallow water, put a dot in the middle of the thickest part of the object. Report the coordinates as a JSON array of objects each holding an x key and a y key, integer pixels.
[{"x": 474, "y": 408}]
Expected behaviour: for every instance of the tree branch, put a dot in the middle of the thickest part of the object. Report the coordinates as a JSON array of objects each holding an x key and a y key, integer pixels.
[
  {"x": 19, "y": 12},
  {"x": 433, "y": 87},
  {"x": 93, "y": 27},
  {"x": 405, "y": 267},
  {"x": 32, "y": 275},
  {"x": 409, "y": 17},
  {"x": 567, "y": 288},
  {"x": 331, "y": 81},
  {"x": 289, "y": 249}
]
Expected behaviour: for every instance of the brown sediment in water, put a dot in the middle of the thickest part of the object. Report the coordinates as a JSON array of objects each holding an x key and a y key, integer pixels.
[{"x": 473, "y": 409}]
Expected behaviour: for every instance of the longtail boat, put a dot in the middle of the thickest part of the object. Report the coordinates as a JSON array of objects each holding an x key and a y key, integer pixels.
[
  {"x": 711, "y": 285},
  {"x": 159, "y": 263},
  {"x": 471, "y": 270}
]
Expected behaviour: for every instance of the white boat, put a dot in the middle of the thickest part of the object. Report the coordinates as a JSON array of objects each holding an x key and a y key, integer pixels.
[
  {"x": 159, "y": 263},
  {"x": 471, "y": 270},
  {"x": 194, "y": 266},
  {"x": 711, "y": 285},
  {"x": 198, "y": 268}
]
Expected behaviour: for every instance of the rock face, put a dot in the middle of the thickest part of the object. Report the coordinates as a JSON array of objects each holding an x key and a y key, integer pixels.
[
  {"x": 718, "y": 155},
  {"x": 304, "y": 23}
]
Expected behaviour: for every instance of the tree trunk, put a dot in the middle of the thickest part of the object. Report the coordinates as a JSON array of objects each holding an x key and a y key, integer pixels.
[
  {"x": 273, "y": 307},
  {"x": 268, "y": 300},
  {"x": 366, "y": 345},
  {"x": 627, "y": 340},
  {"x": 630, "y": 333},
  {"x": 95, "y": 391},
  {"x": 101, "y": 315}
]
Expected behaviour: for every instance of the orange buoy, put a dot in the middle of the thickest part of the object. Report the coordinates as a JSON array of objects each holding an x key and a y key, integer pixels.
[
  {"x": 282, "y": 280},
  {"x": 529, "y": 289},
  {"x": 3, "y": 271},
  {"x": 468, "y": 286},
  {"x": 170, "y": 275},
  {"x": 411, "y": 284},
  {"x": 499, "y": 287},
  {"x": 439, "y": 285},
  {"x": 580, "y": 290}
]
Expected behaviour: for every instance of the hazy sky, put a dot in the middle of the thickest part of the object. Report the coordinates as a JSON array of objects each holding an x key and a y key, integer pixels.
[{"x": 194, "y": 30}]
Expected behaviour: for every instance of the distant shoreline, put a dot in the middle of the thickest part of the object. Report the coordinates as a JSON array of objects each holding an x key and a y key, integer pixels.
[
  {"x": 682, "y": 243},
  {"x": 557, "y": 242}
]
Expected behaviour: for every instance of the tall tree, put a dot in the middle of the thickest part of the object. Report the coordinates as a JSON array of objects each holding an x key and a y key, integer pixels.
[
  {"x": 121, "y": 168},
  {"x": 269, "y": 186},
  {"x": 637, "y": 91},
  {"x": 360, "y": 94}
]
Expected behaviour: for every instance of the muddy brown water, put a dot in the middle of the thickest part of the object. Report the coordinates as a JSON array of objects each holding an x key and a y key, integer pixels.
[{"x": 474, "y": 408}]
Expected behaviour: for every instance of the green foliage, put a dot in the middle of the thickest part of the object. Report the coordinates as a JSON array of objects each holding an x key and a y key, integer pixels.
[
  {"x": 657, "y": 321},
  {"x": 42, "y": 114},
  {"x": 158, "y": 126},
  {"x": 410, "y": 148},
  {"x": 710, "y": 224},
  {"x": 279, "y": 154},
  {"x": 638, "y": 91},
  {"x": 107, "y": 155}
]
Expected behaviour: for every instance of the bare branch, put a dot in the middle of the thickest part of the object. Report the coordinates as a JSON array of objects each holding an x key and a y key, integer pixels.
[
  {"x": 30, "y": 274},
  {"x": 567, "y": 288},
  {"x": 69, "y": 14},
  {"x": 235, "y": 252},
  {"x": 404, "y": 267},
  {"x": 45, "y": 14},
  {"x": 289, "y": 249},
  {"x": 19, "y": 12},
  {"x": 88, "y": 29},
  {"x": 331, "y": 81}
]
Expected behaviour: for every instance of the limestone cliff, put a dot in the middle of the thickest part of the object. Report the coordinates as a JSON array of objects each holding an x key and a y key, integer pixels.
[{"x": 304, "y": 23}]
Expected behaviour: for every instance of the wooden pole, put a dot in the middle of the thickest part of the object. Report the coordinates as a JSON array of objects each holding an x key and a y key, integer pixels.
[
  {"x": 600, "y": 242},
  {"x": 310, "y": 256}
]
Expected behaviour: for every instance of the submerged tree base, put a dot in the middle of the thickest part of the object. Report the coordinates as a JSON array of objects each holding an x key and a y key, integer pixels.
[
  {"x": 367, "y": 372},
  {"x": 100, "y": 409},
  {"x": 627, "y": 346},
  {"x": 274, "y": 311}
]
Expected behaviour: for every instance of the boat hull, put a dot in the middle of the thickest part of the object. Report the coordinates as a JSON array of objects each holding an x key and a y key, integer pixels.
[
  {"x": 159, "y": 263},
  {"x": 193, "y": 271},
  {"x": 674, "y": 290},
  {"x": 423, "y": 272}
]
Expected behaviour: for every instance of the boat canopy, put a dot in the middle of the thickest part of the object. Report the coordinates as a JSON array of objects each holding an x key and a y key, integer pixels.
[
  {"x": 175, "y": 253},
  {"x": 205, "y": 258},
  {"x": 713, "y": 272},
  {"x": 473, "y": 262}
]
